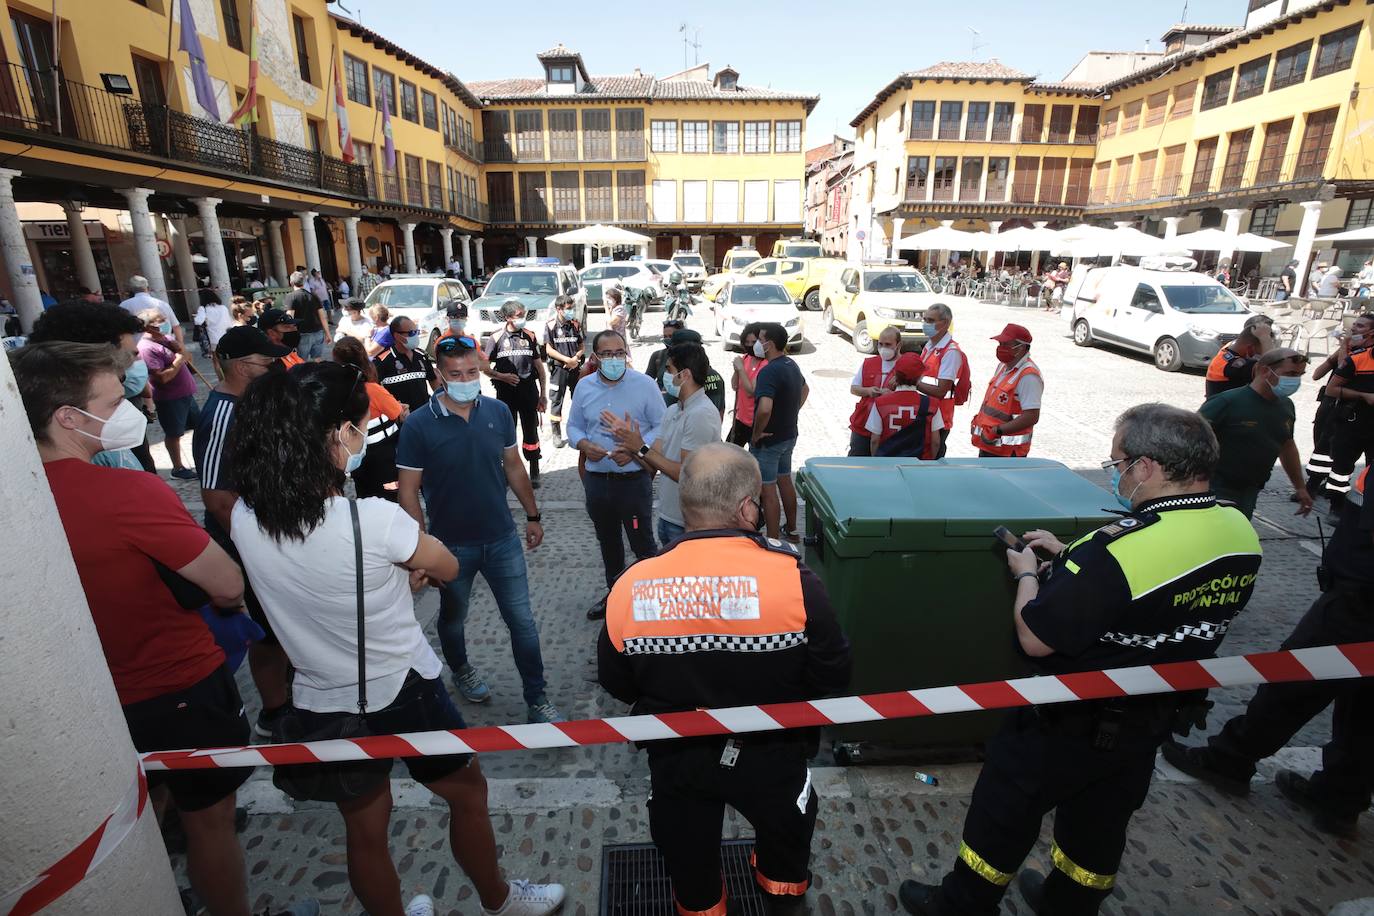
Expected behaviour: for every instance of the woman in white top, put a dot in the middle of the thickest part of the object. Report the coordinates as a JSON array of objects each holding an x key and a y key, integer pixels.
[
  {"x": 295, "y": 535},
  {"x": 216, "y": 318},
  {"x": 1365, "y": 279},
  {"x": 354, "y": 323},
  {"x": 1330, "y": 285}
]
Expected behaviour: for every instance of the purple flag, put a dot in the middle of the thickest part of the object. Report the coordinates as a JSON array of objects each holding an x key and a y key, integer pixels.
[
  {"x": 388, "y": 145},
  {"x": 200, "y": 74}
]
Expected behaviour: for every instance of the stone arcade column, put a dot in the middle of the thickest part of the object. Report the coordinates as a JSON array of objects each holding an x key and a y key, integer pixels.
[
  {"x": 81, "y": 247},
  {"x": 465, "y": 253},
  {"x": 312, "y": 244},
  {"x": 447, "y": 234},
  {"x": 532, "y": 246},
  {"x": 214, "y": 246},
  {"x": 355, "y": 253},
  {"x": 185, "y": 267},
  {"x": 1302, "y": 248},
  {"x": 145, "y": 242},
  {"x": 1171, "y": 226},
  {"x": 897, "y": 222},
  {"x": 408, "y": 230},
  {"x": 280, "y": 272}
]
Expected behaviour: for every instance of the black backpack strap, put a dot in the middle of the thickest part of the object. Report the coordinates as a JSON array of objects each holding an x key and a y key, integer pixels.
[{"x": 358, "y": 580}]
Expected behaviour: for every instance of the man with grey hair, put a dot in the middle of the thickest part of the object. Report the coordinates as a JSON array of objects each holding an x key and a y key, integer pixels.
[
  {"x": 1161, "y": 584},
  {"x": 312, "y": 320},
  {"x": 516, "y": 367},
  {"x": 1254, "y": 426},
  {"x": 725, "y": 617},
  {"x": 946, "y": 377},
  {"x": 142, "y": 300}
]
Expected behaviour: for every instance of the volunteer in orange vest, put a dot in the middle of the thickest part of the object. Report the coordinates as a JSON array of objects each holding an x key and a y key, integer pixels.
[
  {"x": 946, "y": 370},
  {"x": 280, "y": 328},
  {"x": 1011, "y": 405},
  {"x": 725, "y": 617},
  {"x": 1234, "y": 364},
  {"x": 904, "y": 423},
  {"x": 873, "y": 379}
]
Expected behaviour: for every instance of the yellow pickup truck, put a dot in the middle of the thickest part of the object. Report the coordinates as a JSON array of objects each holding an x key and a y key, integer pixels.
[
  {"x": 801, "y": 276},
  {"x": 863, "y": 299},
  {"x": 797, "y": 248}
]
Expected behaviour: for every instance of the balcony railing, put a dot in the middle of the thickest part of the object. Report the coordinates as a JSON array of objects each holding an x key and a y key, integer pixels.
[
  {"x": 1069, "y": 193},
  {"x": 1259, "y": 173},
  {"x": 464, "y": 146},
  {"x": 30, "y": 103}
]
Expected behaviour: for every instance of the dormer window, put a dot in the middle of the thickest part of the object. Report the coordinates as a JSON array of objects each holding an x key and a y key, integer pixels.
[
  {"x": 562, "y": 73},
  {"x": 727, "y": 80}
]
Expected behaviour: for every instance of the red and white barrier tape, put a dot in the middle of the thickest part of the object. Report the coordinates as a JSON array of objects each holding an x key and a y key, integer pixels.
[
  {"x": 1315, "y": 664},
  {"x": 72, "y": 869}
]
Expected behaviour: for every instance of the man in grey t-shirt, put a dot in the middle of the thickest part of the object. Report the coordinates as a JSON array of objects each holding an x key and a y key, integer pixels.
[{"x": 690, "y": 423}]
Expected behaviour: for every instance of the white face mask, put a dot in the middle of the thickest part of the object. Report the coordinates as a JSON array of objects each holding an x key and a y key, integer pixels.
[
  {"x": 758, "y": 349},
  {"x": 122, "y": 429},
  {"x": 888, "y": 354}
]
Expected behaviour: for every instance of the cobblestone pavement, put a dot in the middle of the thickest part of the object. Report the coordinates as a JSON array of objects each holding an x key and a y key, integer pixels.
[{"x": 1191, "y": 850}]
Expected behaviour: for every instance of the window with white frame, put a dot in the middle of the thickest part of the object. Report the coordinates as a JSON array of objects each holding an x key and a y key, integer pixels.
[
  {"x": 663, "y": 136},
  {"x": 665, "y": 201},
  {"x": 789, "y": 137},
  {"x": 787, "y": 201},
  {"x": 757, "y": 136},
  {"x": 696, "y": 136}
]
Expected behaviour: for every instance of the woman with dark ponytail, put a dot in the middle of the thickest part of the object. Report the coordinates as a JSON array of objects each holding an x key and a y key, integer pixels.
[{"x": 296, "y": 435}]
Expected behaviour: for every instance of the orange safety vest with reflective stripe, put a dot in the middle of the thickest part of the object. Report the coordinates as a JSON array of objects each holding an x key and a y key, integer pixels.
[
  {"x": 931, "y": 367},
  {"x": 1216, "y": 369},
  {"x": 871, "y": 376},
  {"x": 1001, "y": 405},
  {"x": 1359, "y": 484},
  {"x": 291, "y": 360}
]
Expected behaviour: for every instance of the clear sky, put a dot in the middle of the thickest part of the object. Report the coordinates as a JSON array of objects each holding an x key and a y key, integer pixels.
[{"x": 842, "y": 50}]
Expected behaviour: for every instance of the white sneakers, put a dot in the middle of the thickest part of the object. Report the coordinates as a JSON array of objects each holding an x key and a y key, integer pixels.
[
  {"x": 420, "y": 905},
  {"x": 528, "y": 899}
]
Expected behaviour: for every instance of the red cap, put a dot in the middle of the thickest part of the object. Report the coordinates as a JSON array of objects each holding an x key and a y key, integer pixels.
[
  {"x": 909, "y": 368},
  {"x": 1013, "y": 333}
]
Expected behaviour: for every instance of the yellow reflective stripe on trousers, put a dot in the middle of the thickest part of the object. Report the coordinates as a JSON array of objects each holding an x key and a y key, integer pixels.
[
  {"x": 1079, "y": 874},
  {"x": 982, "y": 868}
]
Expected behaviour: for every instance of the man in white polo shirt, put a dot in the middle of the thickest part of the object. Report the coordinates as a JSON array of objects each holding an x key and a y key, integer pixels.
[{"x": 142, "y": 300}]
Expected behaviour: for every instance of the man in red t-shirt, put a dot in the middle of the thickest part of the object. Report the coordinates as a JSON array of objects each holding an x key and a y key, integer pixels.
[{"x": 133, "y": 542}]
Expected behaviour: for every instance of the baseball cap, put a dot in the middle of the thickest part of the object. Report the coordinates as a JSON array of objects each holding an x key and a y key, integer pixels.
[
  {"x": 456, "y": 308},
  {"x": 909, "y": 367},
  {"x": 273, "y": 317},
  {"x": 1013, "y": 333},
  {"x": 245, "y": 341}
]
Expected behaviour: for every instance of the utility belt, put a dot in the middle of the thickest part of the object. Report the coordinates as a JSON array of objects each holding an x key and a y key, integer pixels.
[
  {"x": 1111, "y": 724},
  {"x": 1361, "y": 592}
]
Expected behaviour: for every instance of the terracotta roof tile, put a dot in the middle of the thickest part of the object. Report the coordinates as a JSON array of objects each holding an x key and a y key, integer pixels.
[
  {"x": 969, "y": 70},
  {"x": 632, "y": 87}
]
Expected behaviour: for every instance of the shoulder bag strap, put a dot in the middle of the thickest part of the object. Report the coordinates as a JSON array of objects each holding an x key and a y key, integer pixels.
[{"x": 362, "y": 633}]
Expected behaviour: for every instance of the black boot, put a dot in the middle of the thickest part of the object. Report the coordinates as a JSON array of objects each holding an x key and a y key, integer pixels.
[{"x": 534, "y": 474}]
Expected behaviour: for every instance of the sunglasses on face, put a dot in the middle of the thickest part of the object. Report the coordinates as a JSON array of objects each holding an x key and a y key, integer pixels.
[{"x": 449, "y": 344}]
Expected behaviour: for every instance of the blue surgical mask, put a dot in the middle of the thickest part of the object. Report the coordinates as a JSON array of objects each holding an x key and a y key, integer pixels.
[
  {"x": 613, "y": 369},
  {"x": 928, "y": 329},
  {"x": 1122, "y": 498},
  {"x": 355, "y": 459},
  {"x": 517, "y": 323},
  {"x": 464, "y": 392},
  {"x": 456, "y": 325},
  {"x": 166, "y": 328},
  {"x": 670, "y": 384},
  {"x": 1287, "y": 385},
  {"x": 135, "y": 379},
  {"x": 413, "y": 339}
]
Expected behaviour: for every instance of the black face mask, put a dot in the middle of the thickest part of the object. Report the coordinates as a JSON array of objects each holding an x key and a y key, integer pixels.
[{"x": 291, "y": 339}]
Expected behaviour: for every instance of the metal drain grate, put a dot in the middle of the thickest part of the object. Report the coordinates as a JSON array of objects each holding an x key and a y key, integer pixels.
[{"x": 634, "y": 880}]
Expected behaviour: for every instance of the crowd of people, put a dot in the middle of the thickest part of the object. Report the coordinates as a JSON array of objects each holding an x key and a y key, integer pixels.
[{"x": 343, "y": 469}]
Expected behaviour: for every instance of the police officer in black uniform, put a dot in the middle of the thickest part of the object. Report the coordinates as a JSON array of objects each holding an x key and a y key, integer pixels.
[
  {"x": 565, "y": 345},
  {"x": 1162, "y": 584},
  {"x": 517, "y": 372},
  {"x": 1338, "y": 792},
  {"x": 1352, "y": 419}
]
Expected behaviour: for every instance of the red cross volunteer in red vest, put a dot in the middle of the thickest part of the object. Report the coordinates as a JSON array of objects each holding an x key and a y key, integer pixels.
[
  {"x": 904, "y": 423},
  {"x": 946, "y": 371},
  {"x": 1011, "y": 405},
  {"x": 873, "y": 378}
]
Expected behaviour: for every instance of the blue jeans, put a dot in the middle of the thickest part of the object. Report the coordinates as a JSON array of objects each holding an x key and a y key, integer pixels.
[
  {"x": 311, "y": 345},
  {"x": 502, "y": 564},
  {"x": 668, "y": 531}
]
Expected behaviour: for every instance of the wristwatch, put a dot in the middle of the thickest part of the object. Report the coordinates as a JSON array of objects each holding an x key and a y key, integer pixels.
[
  {"x": 536, "y": 517},
  {"x": 643, "y": 451}
]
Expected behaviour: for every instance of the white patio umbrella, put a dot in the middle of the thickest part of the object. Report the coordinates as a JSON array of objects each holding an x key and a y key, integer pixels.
[
  {"x": 1218, "y": 240},
  {"x": 599, "y": 235},
  {"x": 1097, "y": 241},
  {"x": 1350, "y": 235},
  {"x": 1024, "y": 238},
  {"x": 941, "y": 238}
]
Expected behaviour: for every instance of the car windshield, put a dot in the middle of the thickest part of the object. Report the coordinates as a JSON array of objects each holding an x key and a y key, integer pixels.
[
  {"x": 894, "y": 282},
  {"x": 403, "y": 295},
  {"x": 660, "y": 266},
  {"x": 801, "y": 251},
  {"x": 538, "y": 283},
  {"x": 690, "y": 260},
  {"x": 1206, "y": 299},
  {"x": 741, "y": 261},
  {"x": 760, "y": 294}
]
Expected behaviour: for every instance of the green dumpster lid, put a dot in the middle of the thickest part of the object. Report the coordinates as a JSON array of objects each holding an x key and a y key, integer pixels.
[{"x": 905, "y": 500}]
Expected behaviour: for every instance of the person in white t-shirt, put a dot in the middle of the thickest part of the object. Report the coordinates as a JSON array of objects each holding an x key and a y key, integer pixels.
[
  {"x": 142, "y": 300},
  {"x": 296, "y": 536},
  {"x": 354, "y": 323}
]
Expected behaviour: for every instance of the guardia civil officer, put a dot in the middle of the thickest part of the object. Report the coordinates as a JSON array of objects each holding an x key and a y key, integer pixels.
[
  {"x": 725, "y": 617},
  {"x": 519, "y": 377},
  {"x": 1162, "y": 584},
  {"x": 1338, "y": 792}
]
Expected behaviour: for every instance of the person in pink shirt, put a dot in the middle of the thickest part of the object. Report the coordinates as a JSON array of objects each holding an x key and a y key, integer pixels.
[
  {"x": 174, "y": 388},
  {"x": 747, "y": 368}
]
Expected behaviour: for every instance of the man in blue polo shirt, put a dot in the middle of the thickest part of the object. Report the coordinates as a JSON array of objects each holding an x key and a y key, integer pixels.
[{"x": 461, "y": 449}]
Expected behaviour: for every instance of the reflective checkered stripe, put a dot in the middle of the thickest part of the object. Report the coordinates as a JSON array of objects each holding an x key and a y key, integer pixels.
[
  {"x": 404, "y": 377},
  {"x": 712, "y": 642},
  {"x": 1077, "y": 873},
  {"x": 1203, "y": 630}
]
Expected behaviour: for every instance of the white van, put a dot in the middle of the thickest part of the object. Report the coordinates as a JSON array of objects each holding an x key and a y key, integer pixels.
[{"x": 1162, "y": 307}]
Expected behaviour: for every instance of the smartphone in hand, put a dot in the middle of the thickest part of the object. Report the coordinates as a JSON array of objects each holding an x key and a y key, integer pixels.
[{"x": 1007, "y": 539}]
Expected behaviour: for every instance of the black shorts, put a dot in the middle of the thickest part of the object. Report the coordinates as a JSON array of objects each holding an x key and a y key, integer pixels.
[
  {"x": 178, "y": 415},
  {"x": 421, "y": 706},
  {"x": 209, "y": 713}
]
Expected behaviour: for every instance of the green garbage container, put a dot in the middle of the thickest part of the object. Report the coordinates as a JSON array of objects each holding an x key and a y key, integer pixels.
[{"x": 905, "y": 549}]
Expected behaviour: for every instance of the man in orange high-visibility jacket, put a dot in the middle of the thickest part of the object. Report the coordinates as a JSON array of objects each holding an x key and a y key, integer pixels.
[
  {"x": 1011, "y": 405},
  {"x": 725, "y": 617}
]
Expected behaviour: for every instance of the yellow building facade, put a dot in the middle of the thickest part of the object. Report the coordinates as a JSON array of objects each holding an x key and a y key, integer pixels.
[
  {"x": 117, "y": 166},
  {"x": 1261, "y": 127}
]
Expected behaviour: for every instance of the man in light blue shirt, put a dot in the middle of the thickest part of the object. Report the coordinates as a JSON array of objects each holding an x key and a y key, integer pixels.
[{"x": 620, "y": 493}]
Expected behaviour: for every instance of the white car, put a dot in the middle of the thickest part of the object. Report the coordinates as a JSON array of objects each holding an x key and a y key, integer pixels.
[
  {"x": 627, "y": 274},
  {"x": 693, "y": 267},
  {"x": 422, "y": 298},
  {"x": 745, "y": 301},
  {"x": 1163, "y": 308},
  {"x": 535, "y": 287}
]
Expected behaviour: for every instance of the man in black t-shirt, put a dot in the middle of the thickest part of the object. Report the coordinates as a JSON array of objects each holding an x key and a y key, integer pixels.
[
  {"x": 311, "y": 319},
  {"x": 517, "y": 372},
  {"x": 715, "y": 385},
  {"x": 405, "y": 370},
  {"x": 779, "y": 393},
  {"x": 1288, "y": 281},
  {"x": 1352, "y": 387},
  {"x": 564, "y": 347}
]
